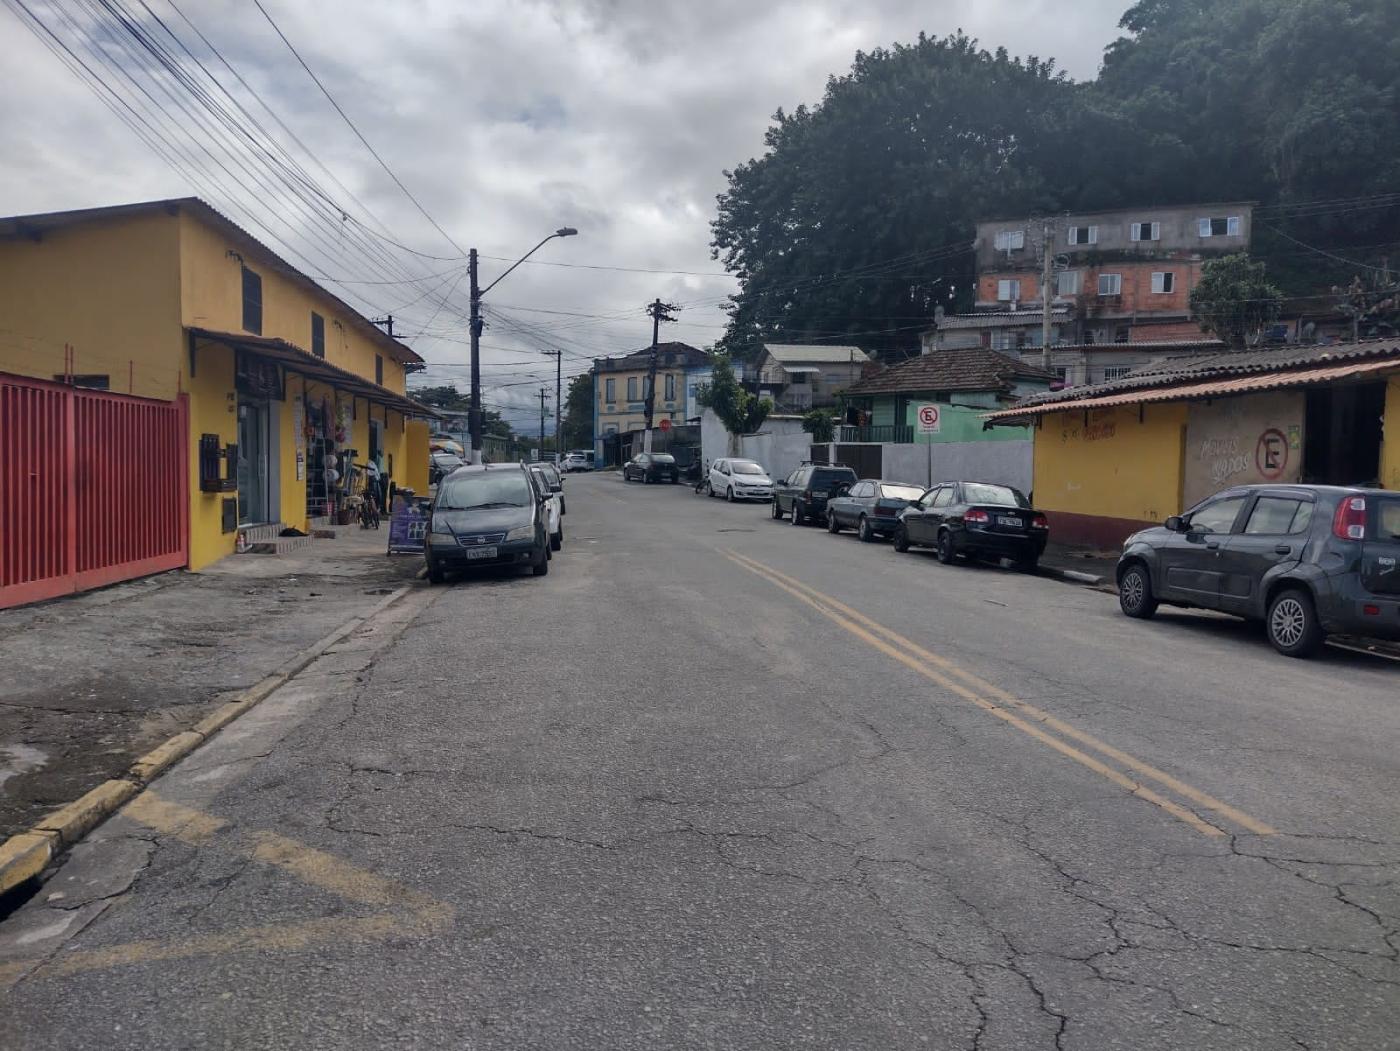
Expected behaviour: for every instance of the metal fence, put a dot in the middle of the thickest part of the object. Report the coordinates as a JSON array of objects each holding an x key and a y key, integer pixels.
[{"x": 93, "y": 488}]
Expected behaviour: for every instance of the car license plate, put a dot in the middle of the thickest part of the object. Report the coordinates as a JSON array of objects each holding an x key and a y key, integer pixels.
[
  {"x": 819, "y": 494},
  {"x": 481, "y": 552},
  {"x": 1008, "y": 520}
]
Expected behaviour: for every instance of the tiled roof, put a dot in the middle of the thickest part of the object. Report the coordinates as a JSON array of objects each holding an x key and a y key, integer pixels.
[
  {"x": 1197, "y": 346},
  {"x": 668, "y": 355},
  {"x": 1189, "y": 371},
  {"x": 798, "y": 353},
  {"x": 953, "y": 369},
  {"x": 994, "y": 318}
]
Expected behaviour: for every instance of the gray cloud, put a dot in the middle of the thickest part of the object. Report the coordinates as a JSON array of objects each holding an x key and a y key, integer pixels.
[{"x": 509, "y": 118}]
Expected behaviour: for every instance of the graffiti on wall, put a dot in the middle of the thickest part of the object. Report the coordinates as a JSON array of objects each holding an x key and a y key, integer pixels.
[{"x": 1241, "y": 441}]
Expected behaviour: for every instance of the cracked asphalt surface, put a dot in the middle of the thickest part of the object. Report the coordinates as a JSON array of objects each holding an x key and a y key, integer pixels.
[{"x": 660, "y": 802}]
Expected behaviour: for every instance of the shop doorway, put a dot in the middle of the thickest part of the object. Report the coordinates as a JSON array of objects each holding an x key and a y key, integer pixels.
[
  {"x": 254, "y": 470},
  {"x": 1342, "y": 434}
]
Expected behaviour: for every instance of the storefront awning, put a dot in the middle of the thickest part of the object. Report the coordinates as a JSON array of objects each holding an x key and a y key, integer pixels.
[
  {"x": 304, "y": 363},
  {"x": 1195, "y": 391}
]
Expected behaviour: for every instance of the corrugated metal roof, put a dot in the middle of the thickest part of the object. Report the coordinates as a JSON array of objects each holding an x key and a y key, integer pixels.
[
  {"x": 1211, "y": 389},
  {"x": 796, "y": 353}
]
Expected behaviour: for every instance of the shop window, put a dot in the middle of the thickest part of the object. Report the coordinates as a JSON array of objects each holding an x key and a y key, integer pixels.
[
  {"x": 379, "y": 370},
  {"x": 252, "y": 301},
  {"x": 318, "y": 335}
]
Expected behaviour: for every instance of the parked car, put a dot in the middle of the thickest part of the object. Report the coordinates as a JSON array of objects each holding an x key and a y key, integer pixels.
[
  {"x": 976, "y": 520},
  {"x": 554, "y": 502},
  {"x": 556, "y": 481},
  {"x": 651, "y": 467},
  {"x": 487, "y": 515},
  {"x": 577, "y": 461},
  {"x": 802, "y": 496},
  {"x": 442, "y": 463},
  {"x": 1307, "y": 560},
  {"x": 736, "y": 479},
  {"x": 871, "y": 507}
]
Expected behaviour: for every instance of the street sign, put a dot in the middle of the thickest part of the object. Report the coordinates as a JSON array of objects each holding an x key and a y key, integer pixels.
[
  {"x": 665, "y": 425},
  {"x": 930, "y": 419}
]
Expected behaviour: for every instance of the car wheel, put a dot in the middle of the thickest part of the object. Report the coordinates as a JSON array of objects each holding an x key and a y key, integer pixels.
[
  {"x": 864, "y": 531},
  {"x": 556, "y": 541},
  {"x": 1293, "y": 626},
  {"x": 796, "y": 516},
  {"x": 944, "y": 547},
  {"x": 646, "y": 478},
  {"x": 541, "y": 568},
  {"x": 435, "y": 574},
  {"x": 901, "y": 538},
  {"x": 729, "y": 494},
  {"x": 777, "y": 511},
  {"x": 1135, "y": 596}
]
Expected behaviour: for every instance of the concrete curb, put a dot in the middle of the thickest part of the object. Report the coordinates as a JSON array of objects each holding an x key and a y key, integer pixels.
[
  {"x": 1073, "y": 576},
  {"x": 26, "y": 854}
]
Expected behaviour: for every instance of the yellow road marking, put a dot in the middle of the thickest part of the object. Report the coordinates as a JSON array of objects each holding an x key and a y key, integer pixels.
[
  {"x": 411, "y": 914},
  {"x": 924, "y": 662}
]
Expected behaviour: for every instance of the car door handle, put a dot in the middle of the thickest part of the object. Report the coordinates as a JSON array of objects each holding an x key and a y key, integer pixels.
[
  {"x": 1283, "y": 549},
  {"x": 1212, "y": 546}
]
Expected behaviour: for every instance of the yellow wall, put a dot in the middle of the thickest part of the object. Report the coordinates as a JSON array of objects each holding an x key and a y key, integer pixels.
[
  {"x": 1116, "y": 466},
  {"x": 1390, "y": 450},
  {"x": 213, "y": 410},
  {"x": 109, "y": 288},
  {"x": 617, "y": 414},
  {"x": 212, "y": 285},
  {"x": 414, "y": 473}
]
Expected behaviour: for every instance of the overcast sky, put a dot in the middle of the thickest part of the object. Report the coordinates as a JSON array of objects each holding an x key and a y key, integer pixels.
[{"x": 506, "y": 119}]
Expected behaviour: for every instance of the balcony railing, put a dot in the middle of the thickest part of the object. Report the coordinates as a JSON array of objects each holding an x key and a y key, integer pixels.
[{"x": 895, "y": 433}]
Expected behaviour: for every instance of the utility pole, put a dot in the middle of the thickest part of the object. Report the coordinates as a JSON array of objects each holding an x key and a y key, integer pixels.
[
  {"x": 1047, "y": 244},
  {"x": 474, "y": 411},
  {"x": 544, "y": 393},
  {"x": 558, "y": 396},
  {"x": 387, "y": 321},
  {"x": 659, "y": 312}
]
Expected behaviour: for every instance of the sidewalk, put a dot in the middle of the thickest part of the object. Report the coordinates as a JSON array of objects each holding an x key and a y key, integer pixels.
[
  {"x": 1081, "y": 566},
  {"x": 95, "y": 680}
]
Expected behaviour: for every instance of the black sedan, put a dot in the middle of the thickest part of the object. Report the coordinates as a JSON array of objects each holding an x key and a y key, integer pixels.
[
  {"x": 651, "y": 467},
  {"x": 871, "y": 507},
  {"x": 975, "y": 520}
]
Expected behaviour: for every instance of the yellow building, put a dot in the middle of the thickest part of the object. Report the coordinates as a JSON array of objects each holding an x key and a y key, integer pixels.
[
  {"x": 1116, "y": 457},
  {"x": 620, "y": 390},
  {"x": 171, "y": 301}
]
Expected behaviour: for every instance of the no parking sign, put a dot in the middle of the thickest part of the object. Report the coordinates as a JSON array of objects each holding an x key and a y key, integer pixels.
[{"x": 930, "y": 419}]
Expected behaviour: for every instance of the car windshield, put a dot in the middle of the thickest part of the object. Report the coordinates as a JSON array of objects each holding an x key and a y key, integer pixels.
[
  {"x": 479, "y": 489},
  {"x": 901, "y": 492},
  {"x": 746, "y": 467},
  {"x": 982, "y": 493}
]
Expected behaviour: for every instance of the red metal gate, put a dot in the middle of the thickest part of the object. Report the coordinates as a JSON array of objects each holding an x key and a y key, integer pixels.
[{"x": 94, "y": 488}]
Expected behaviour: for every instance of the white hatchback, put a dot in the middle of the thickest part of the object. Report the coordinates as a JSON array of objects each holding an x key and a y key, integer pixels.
[
  {"x": 554, "y": 506},
  {"x": 739, "y": 480}
]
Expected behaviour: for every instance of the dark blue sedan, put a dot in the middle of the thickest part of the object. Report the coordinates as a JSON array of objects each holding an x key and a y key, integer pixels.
[{"x": 871, "y": 507}]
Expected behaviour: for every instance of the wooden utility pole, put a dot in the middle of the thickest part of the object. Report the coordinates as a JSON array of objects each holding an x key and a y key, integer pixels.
[
  {"x": 544, "y": 393},
  {"x": 659, "y": 312}
]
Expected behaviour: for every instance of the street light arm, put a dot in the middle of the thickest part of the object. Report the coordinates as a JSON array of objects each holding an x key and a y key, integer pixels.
[{"x": 566, "y": 231}]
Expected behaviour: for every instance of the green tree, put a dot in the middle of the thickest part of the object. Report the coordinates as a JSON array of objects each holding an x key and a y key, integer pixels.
[
  {"x": 741, "y": 411},
  {"x": 450, "y": 398},
  {"x": 820, "y": 424},
  {"x": 578, "y": 413},
  {"x": 1234, "y": 299}
]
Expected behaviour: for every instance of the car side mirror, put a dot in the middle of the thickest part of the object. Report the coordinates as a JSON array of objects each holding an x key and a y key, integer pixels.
[{"x": 1173, "y": 524}]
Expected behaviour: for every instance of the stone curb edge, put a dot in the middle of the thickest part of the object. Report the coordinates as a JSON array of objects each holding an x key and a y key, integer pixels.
[{"x": 26, "y": 854}]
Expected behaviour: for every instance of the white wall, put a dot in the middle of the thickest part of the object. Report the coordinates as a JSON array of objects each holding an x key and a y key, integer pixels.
[
  {"x": 1007, "y": 462},
  {"x": 779, "y": 447}
]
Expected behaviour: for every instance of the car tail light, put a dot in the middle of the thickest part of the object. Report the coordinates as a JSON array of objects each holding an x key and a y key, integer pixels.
[
  {"x": 1040, "y": 522},
  {"x": 1349, "y": 523},
  {"x": 977, "y": 517}
]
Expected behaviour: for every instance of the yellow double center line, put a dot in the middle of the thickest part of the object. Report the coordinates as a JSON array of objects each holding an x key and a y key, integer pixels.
[{"x": 1026, "y": 717}]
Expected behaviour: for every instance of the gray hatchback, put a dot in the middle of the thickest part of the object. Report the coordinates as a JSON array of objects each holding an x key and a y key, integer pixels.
[{"x": 1307, "y": 560}]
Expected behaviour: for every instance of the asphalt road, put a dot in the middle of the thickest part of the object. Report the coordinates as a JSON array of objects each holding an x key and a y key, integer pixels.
[{"x": 720, "y": 782}]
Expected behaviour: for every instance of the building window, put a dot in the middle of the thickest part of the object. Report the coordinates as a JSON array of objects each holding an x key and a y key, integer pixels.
[
  {"x": 379, "y": 370},
  {"x": 1219, "y": 226},
  {"x": 670, "y": 386},
  {"x": 1011, "y": 240},
  {"x": 1069, "y": 283},
  {"x": 1144, "y": 231},
  {"x": 1063, "y": 374},
  {"x": 1116, "y": 372},
  {"x": 647, "y": 387},
  {"x": 1122, "y": 334},
  {"x": 1164, "y": 282},
  {"x": 1008, "y": 290},
  {"x": 252, "y": 302},
  {"x": 1003, "y": 339},
  {"x": 632, "y": 388},
  {"x": 1110, "y": 284},
  {"x": 610, "y": 387},
  {"x": 318, "y": 335},
  {"x": 1083, "y": 235}
]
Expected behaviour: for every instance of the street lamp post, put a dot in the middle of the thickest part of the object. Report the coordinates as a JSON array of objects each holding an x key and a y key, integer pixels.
[{"x": 476, "y": 324}]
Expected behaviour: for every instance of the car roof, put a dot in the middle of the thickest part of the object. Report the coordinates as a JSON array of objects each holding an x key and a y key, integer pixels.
[{"x": 482, "y": 468}]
